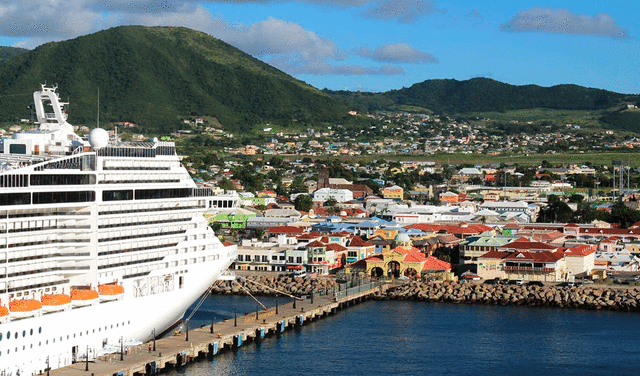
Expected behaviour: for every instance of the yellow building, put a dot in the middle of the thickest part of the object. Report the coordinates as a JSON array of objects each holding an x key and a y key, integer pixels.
[
  {"x": 393, "y": 193},
  {"x": 404, "y": 260}
]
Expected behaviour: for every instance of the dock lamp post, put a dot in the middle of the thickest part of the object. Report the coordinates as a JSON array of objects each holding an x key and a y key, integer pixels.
[
  {"x": 235, "y": 315},
  {"x": 47, "y": 369},
  {"x": 86, "y": 364},
  {"x": 257, "y": 310},
  {"x": 294, "y": 302},
  {"x": 276, "y": 304},
  {"x": 187, "y": 324},
  {"x": 122, "y": 348},
  {"x": 154, "y": 339},
  {"x": 211, "y": 329}
]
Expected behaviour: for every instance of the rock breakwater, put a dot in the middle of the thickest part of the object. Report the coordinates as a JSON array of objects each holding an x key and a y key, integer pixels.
[
  {"x": 596, "y": 297},
  {"x": 267, "y": 286},
  {"x": 618, "y": 299}
]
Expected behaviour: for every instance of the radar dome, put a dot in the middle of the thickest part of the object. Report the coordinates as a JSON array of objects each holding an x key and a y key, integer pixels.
[{"x": 98, "y": 138}]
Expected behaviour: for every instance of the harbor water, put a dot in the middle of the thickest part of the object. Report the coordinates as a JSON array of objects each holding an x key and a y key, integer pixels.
[{"x": 417, "y": 338}]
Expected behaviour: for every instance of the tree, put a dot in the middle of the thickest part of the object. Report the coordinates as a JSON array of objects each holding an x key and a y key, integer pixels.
[
  {"x": 555, "y": 211},
  {"x": 576, "y": 198},
  {"x": 303, "y": 203},
  {"x": 330, "y": 202},
  {"x": 623, "y": 215},
  {"x": 297, "y": 186}
]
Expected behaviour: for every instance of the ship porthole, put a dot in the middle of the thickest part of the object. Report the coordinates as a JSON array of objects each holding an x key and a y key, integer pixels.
[{"x": 40, "y": 330}]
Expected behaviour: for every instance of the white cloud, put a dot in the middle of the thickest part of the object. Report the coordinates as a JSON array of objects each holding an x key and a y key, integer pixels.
[
  {"x": 397, "y": 53},
  {"x": 284, "y": 44},
  {"x": 405, "y": 11},
  {"x": 564, "y": 21},
  {"x": 50, "y": 20},
  {"x": 325, "y": 68}
]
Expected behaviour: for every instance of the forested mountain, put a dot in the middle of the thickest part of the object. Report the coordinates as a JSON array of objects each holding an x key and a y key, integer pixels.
[
  {"x": 154, "y": 76},
  {"x": 483, "y": 94},
  {"x": 7, "y": 53}
]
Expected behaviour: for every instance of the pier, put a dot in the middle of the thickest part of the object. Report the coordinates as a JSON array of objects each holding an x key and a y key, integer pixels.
[{"x": 178, "y": 350}]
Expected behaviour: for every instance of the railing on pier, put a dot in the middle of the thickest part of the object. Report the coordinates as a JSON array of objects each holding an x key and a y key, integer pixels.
[{"x": 355, "y": 290}]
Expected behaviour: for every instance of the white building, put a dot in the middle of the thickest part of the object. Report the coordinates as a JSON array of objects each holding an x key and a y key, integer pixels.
[{"x": 340, "y": 195}]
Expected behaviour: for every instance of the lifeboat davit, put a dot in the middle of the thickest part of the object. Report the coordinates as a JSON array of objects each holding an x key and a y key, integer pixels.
[
  {"x": 110, "y": 291},
  {"x": 83, "y": 297},
  {"x": 55, "y": 302},
  {"x": 25, "y": 308}
]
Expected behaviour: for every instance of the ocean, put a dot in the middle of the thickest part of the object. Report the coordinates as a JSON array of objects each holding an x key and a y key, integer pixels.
[{"x": 417, "y": 338}]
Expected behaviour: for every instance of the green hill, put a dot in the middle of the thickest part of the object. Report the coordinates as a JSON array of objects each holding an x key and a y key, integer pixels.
[
  {"x": 483, "y": 94},
  {"x": 155, "y": 76},
  {"x": 7, "y": 53}
]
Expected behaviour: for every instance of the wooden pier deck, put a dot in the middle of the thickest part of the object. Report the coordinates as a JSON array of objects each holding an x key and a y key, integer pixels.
[{"x": 175, "y": 351}]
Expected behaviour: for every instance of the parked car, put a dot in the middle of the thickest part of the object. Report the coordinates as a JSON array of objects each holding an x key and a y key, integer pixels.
[
  {"x": 520, "y": 282},
  {"x": 300, "y": 273},
  {"x": 535, "y": 283}
]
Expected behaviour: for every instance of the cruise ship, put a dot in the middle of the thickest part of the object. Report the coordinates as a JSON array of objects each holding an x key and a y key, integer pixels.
[{"x": 102, "y": 243}]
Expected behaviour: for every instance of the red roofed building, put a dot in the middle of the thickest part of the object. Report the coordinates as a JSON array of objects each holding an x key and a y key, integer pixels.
[
  {"x": 543, "y": 266},
  {"x": 461, "y": 230},
  {"x": 285, "y": 230},
  {"x": 404, "y": 260},
  {"x": 359, "y": 249},
  {"x": 580, "y": 260},
  {"x": 524, "y": 245}
]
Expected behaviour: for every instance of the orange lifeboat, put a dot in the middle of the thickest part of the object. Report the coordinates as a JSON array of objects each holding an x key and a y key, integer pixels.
[
  {"x": 4, "y": 314},
  {"x": 83, "y": 297},
  {"x": 55, "y": 302},
  {"x": 25, "y": 307},
  {"x": 110, "y": 291}
]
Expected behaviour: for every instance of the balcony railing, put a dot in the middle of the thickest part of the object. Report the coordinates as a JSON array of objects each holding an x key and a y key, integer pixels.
[{"x": 528, "y": 268}]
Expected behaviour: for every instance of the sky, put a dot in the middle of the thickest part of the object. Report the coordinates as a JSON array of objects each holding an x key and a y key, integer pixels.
[{"x": 379, "y": 45}]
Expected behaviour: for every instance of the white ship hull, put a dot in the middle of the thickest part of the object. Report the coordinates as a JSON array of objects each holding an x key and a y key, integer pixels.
[
  {"x": 111, "y": 232},
  {"x": 62, "y": 337}
]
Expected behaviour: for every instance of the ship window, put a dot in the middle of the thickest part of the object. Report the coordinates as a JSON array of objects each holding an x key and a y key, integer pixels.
[
  {"x": 40, "y": 330},
  {"x": 24, "y": 333},
  {"x": 0, "y": 336},
  {"x": 18, "y": 149},
  {"x": 117, "y": 195},
  {"x": 15, "y": 335},
  {"x": 67, "y": 336},
  {"x": 31, "y": 332}
]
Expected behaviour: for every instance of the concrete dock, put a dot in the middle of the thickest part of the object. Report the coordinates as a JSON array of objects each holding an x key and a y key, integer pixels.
[{"x": 176, "y": 351}]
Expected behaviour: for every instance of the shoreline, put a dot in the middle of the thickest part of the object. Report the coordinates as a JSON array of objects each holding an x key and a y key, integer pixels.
[{"x": 585, "y": 297}]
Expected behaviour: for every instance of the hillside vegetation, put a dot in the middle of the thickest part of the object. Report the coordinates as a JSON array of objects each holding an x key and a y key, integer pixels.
[
  {"x": 156, "y": 76},
  {"x": 8, "y": 53},
  {"x": 482, "y": 95}
]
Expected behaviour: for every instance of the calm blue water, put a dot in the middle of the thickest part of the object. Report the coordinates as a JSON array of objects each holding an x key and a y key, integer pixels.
[{"x": 415, "y": 338}]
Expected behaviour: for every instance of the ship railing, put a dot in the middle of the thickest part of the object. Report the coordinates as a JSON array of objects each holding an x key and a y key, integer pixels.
[{"x": 228, "y": 275}]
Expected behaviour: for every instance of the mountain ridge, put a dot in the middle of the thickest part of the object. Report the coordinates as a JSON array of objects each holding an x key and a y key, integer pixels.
[{"x": 156, "y": 76}]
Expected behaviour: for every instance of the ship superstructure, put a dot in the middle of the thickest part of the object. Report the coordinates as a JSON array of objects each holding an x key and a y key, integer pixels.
[{"x": 100, "y": 242}]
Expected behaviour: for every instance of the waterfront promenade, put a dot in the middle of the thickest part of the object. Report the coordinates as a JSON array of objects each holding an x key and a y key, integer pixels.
[{"x": 176, "y": 351}]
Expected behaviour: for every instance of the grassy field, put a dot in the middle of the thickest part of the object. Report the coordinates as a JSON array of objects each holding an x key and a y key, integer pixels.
[
  {"x": 558, "y": 117},
  {"x": 602, "y": 159}
]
